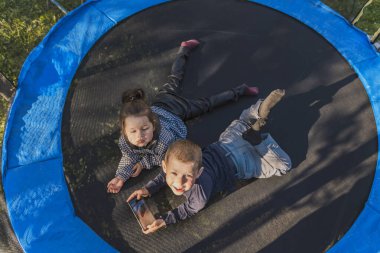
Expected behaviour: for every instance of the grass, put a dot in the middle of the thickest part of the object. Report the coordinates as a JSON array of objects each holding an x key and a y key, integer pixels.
[
  {"x": 347, "y": 8},
  {"x": 24, "y": 23},
  {"x": 370, "y": 21}
]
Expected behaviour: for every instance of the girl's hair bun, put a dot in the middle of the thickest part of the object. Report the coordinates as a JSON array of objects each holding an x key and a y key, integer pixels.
[{"x": 132, "y": 95}]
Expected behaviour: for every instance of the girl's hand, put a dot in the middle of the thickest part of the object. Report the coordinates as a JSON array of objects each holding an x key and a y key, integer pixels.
[
  {"x": 143, "y": 192},
  {"x": 137, "y": 170},
  {"x": 114, "y": 186},
  {"x": 156, "y": 225}
]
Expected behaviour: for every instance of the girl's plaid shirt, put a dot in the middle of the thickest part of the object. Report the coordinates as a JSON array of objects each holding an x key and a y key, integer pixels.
[{"x": 172, "y": 128}]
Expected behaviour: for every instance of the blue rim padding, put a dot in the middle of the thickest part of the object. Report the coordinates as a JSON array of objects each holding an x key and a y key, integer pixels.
[{"x": 38, "y": 201}]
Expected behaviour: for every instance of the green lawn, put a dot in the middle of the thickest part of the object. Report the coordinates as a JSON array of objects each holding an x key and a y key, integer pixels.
[
  {"x": 370, "y": 21},
  {"x": 24, "y": 23}
]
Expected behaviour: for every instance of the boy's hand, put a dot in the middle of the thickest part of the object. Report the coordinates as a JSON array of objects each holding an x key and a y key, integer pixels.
[
  {"x": 114, "y": 186},
  {"x": 143, "y": 192},
  {"x": 156, "y": 225},
  {"x": 137, "y": 169}
]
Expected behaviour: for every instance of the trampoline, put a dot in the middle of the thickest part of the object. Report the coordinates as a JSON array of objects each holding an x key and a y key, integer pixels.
[{"x": 65, "y": 112}]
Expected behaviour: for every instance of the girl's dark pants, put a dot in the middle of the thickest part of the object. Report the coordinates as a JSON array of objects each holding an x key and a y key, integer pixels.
[{"x": 169, "y": 97}]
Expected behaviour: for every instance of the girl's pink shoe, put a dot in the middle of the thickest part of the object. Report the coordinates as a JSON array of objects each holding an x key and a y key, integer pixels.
[{"x": 190, "y": 43}]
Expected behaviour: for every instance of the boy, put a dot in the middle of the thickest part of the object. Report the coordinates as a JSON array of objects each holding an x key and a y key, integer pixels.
[{"x": 242, "y": 152}]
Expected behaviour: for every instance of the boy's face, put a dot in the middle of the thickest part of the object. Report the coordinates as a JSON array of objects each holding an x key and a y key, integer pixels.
[
  {"x": 180, "y": 176},
  {"x": 139, "y": 130}
]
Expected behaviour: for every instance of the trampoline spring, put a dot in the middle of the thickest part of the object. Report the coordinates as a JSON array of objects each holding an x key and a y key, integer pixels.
[{"x": 59, "y": 6}]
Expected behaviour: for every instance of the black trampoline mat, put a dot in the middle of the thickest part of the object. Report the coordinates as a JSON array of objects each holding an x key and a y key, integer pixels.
[{"x": 325, "y": 123}]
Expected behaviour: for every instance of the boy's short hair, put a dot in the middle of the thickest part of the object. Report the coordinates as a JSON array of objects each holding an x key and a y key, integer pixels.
[{"x": 185, "y": 151}]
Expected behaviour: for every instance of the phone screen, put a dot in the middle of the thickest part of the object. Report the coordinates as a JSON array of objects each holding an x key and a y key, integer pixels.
[{"x": 142, "y": 213}]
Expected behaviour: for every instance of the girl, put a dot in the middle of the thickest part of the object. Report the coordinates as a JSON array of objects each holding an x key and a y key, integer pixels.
[{"x": 146, "y": 132}]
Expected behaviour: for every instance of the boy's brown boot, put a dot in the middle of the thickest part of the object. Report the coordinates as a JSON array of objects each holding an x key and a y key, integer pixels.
[{"x": 269, "y": 102}]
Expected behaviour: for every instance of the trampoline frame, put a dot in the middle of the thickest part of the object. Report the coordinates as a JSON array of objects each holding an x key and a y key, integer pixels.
[{"x": 38, "y": 201}]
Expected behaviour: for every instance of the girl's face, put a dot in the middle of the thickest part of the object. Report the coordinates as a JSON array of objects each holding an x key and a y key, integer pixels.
[{"x": 139, "y": 130}]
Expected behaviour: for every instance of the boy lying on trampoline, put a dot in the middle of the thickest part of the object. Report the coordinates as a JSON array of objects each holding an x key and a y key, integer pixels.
[
  {"x": 146, "y": 132},
  {"x": 242, "y": 152}
]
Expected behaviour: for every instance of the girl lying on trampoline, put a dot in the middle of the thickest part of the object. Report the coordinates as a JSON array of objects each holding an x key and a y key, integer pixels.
[
  {"x": 242, "y": 152},
  {"x": 147, "y": 132}
]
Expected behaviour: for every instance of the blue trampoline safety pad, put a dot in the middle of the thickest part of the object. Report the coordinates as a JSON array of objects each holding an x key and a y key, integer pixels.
[{"x": 37, "y": 196}]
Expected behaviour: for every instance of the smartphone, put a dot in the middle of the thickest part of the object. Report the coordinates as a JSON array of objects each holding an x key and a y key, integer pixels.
[{"x": 142, "y": 213}]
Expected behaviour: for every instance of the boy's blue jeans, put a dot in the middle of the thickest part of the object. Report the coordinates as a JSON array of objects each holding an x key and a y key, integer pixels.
[{"x": 260, "y": 161}]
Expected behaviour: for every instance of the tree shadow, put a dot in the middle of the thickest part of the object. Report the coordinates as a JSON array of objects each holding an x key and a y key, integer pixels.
[
  {"x": 298, "y": 115},
  {"x": 299, "y": 238}
]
